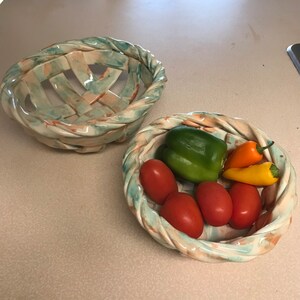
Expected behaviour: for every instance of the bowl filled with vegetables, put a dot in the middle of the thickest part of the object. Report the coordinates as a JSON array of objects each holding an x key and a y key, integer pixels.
[{"x": 213, "y": 187}]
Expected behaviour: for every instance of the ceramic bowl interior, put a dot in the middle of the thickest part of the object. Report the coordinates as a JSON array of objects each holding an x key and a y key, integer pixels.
[
  {"x": 216, "y": 244},
  {"x": 83, "y": 94}
]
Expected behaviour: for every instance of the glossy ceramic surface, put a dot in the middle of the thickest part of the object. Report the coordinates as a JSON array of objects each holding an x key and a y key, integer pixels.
[
  {"x": 59, "y": 99},
  {"x": 216, "y": 244}
]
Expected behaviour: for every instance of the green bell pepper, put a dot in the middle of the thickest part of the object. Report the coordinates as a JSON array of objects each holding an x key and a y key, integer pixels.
[{"x": 193, "y": 154}]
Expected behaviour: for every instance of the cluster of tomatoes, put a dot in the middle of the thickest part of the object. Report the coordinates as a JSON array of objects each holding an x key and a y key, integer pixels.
[{"x": 239, "y": 206}]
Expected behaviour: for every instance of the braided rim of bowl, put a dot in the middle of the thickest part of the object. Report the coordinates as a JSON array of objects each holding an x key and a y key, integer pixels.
[
  {"x": 133, "y": 113},
  {"x": 243, "y": 248}
]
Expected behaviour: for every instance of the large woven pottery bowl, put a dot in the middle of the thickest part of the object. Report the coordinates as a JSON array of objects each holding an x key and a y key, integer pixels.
[
  {"x": 216, "y": 244},
  {"x": 83, "y": 94}
]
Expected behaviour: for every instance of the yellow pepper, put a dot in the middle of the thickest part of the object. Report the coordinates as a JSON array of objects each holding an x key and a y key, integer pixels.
[{"x": 260, "y": 175}]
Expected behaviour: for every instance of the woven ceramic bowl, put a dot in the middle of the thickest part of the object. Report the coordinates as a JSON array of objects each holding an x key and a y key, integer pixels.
[
  {"x": 216, "y": 244},
  {"x": 83, "y": 94}
]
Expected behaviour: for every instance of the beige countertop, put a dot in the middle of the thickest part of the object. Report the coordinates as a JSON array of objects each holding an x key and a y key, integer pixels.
[{"x": 65, "y": 229}]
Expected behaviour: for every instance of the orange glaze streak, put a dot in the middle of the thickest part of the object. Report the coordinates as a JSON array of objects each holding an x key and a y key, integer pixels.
[
  {"x": 56, "y": 122},
  {"x": 190, "y": 123},
  {"x": 273, "y": 238},
  {"x": 135, "y": 92},
  {"x": 52, "y": 123},
  {"x": 103, "y": 75},
  {"x": 47, "y": 69}
]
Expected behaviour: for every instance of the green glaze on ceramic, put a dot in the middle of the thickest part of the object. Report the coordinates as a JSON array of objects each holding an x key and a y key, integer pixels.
[
  {"x": 85, "y": 120},
  {"x": 216, "y": 244}
]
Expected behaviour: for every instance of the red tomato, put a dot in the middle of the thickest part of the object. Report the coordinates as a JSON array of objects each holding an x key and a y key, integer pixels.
[
  {"x": 247, "y": 205},
  {"x": 183, "y": 213},
  {"x": 215, "y": 203},
  {"x": 157, "y": 180}
]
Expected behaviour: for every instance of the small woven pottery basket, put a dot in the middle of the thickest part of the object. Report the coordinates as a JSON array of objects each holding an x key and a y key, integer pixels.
[
  {"x": 64, "y": 95},
  {"x": 216, "y": 244}
]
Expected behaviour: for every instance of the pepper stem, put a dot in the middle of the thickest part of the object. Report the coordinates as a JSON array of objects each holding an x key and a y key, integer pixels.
[
  {"x": 275, "y": 171},
  {"x": 260, "y": 149}
]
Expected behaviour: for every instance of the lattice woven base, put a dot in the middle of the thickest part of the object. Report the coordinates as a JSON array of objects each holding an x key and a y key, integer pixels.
[{"x": 39, "y": 92}]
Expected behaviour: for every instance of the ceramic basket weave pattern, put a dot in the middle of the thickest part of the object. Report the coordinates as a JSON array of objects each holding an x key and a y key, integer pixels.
[
  {"x": 216, "y": 244},
  {"x": 85, "y": 121}
]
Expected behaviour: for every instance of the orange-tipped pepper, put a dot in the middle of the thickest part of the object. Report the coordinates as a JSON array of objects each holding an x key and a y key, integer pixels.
[{"x": 245, "y": 155}]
